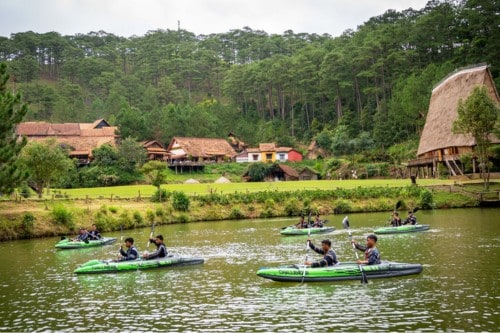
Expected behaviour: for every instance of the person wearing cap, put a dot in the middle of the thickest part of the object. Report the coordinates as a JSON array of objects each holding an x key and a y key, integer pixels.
[
  {"x": 131, "y": 253},
  {"x": 372, "y": 255},
  {"x": 329, "y": 258},
  {"x": 94, "y": 234},
  {"x": 161, "y": 250}
]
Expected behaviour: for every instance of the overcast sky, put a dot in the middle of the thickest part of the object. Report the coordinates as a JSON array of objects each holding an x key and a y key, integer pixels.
[{"x": 135, "y": 17}]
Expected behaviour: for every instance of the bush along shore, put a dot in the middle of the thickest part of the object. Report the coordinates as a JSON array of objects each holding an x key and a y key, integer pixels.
[{"x": 33, "y": 218}]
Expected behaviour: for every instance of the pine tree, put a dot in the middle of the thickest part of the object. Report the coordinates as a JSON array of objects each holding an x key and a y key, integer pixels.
[{"x": 12, "y": 112}]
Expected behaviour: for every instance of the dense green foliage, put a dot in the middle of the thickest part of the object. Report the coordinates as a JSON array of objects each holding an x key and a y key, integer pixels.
[
  {"x": 46, "y": 162},
  {"x": 477, "y": 117},
  {"x": 12, "y": 112},
  {"x": 375, "y": 82}
]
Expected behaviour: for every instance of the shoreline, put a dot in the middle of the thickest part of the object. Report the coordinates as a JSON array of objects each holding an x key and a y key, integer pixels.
[{"x": 34, "y": 218}]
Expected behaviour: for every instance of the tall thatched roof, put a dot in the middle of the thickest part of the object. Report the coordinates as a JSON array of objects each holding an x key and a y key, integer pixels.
[
  {"x": 437, "y": 133},
  {"x": 200, "y": 147}
]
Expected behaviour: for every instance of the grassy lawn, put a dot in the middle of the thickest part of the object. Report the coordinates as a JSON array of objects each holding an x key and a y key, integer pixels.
[{"x": 133, "y": 191}]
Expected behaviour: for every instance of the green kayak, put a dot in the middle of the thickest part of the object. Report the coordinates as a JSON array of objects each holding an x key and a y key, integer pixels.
[
  {"x": 70, "y": 244},
  {"x": 294, "y": 231},
  {"x": 108, "y": 266},
  {"x": 402, "y": 229},
  {"x": 340, "y": 272}
]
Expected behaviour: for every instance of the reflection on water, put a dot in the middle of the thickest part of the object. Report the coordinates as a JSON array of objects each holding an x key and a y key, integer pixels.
[{"x": 458, "y": 289}]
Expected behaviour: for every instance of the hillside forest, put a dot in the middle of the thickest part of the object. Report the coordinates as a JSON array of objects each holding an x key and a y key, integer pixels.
[{"x": 364, "y": 91}]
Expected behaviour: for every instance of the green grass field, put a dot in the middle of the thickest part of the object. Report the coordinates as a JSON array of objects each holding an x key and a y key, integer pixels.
[{"x": 191, "y": 189}]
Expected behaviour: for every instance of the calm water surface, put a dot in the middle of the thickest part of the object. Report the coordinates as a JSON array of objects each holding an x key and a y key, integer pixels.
[{"x": 457, "y": 291}]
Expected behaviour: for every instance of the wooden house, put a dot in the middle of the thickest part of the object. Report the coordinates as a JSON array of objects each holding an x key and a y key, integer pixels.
[
  {"x": 308, "y": 174},
  {"x": 278, "y": 172},
  {"x": 200, "y": 150},
  {"x": 155, "y": 150},
  {"x": 268, "y": 152},
  {"x": 282, "y": 172},
  {"x": 438, "y": 144},
  {"x": 79, "y": 138}
]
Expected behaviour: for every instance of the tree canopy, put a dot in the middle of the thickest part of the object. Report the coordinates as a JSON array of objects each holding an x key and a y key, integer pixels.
[{"x": 12, "y": 112}]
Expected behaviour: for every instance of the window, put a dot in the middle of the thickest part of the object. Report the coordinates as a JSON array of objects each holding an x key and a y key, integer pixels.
[
  {"x": 269, "y": 157},
  {"x": 255, "y": 157},
  {"x": 281, "y": 157}
]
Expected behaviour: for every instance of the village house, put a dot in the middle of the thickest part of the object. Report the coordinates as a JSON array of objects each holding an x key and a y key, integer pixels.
[
  {"x": 155, "y": 150},
  {"x": 79, "y": 138},
  {"x": 184, "y": 150},
  {"x": 308, "y": 174},
  {"x": 278, "y": 172},
  {"x": 268, "y": 152},
  {"x": 438, "y": 144}
]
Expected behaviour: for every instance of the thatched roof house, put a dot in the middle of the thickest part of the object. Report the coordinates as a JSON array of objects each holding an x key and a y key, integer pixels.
[
  {"x": 155, "y": 150},
  {"x": 200, "y": 149},
  {"x": 438, "y": 144},
  {"x": 80, "y": 138}
]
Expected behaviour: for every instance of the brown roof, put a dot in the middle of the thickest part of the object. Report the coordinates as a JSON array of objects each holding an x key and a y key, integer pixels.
[
  {"x": 203, "y": 147},
  {"x": 267, "y": 146},
  {"x": 288, "y": 170},
  {"x": 80, "y": 137},
  {"x": 283, "y": 149},
  {"x": 253, "y": 150},
  {"x": 437, "y": 133}
]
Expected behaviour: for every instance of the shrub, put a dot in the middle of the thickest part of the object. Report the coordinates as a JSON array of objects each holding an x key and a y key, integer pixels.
[
  {"x": 341, "y": 206},
  {"x": 236, "y": 213},
  {"x": 165, "y": 195},
  {"x": 25, "y": 191},
  {"x": 113, "y": 209},
  {"x": 28, "y": 224},
  {"x": 268, "y": 212},
  {"x": 150, "y": 216},
  {"x": 138, "y": 219},
  {"x": 180, "y": 201},
  {"x": 269, "y": 204},
  {"x": 160, "y": 213},
  {"x": 426, "y": 199},
  {"x": 292, "y": 207},
  {"x": 63, "y": 216},
  {"x": 183, "y": 218}
]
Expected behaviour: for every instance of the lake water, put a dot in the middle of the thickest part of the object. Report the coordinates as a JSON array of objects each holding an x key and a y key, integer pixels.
[{"x": 458, "y": 289}]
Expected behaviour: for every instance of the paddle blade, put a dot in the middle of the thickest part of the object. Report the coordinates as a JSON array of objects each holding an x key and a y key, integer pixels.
[
  {"x": 345, "y": 222},
  {"x": 416, "y": 209},
  {"x": 63, "y": 238},
  {"x": 398, "y": 204},
  {"x": 363, "y": 278}
]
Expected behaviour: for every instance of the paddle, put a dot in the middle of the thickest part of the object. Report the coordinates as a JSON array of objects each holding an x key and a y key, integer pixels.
[
  {"x": 151, "y": 235},
  {"x": 345, "y": 223},
  {"x": 121, "y": 236},
  {"x": 307, "y": 253}
]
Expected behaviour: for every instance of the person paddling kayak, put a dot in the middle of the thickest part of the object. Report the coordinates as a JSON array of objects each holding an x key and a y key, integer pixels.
[
  {"x": 372, "y": 255},
  {"x": 396, "y": 220},
  {"x": 131, "y": 253},
  {"x": 411, "y": 218},
  {"x": 83, "y": 236},
  {"x": 94, "y": 234},
  {"x": 329, "y": 259},
  {"x": 161, "y": 250}
]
